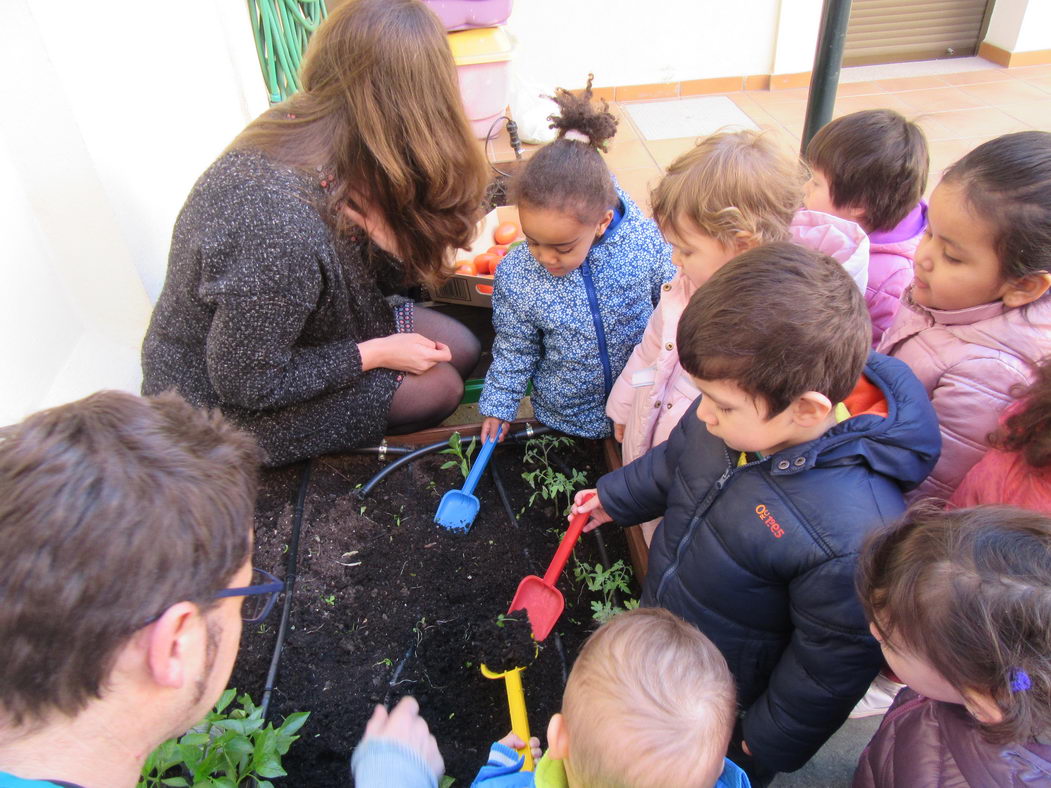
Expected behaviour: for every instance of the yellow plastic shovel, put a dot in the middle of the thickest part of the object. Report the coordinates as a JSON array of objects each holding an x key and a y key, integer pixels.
[{"x": 516, "y": 704}]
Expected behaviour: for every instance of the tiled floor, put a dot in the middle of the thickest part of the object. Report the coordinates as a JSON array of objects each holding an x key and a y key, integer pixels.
[{"x": 957, "y": 111}]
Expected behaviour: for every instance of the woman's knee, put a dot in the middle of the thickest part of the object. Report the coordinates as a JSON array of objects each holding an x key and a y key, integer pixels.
[
  {"x": 463, "y": 344},
  {"x": 425, "y": 400}
]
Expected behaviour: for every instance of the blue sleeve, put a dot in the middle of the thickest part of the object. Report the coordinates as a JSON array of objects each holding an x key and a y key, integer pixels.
[
  {"x": 383, "y": 762},
  {"x": 504, "y": 770},
  {"x": 517, "y": 349}
]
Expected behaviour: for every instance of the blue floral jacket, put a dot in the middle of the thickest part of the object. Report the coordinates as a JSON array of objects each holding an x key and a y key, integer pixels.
[{"x": 572, "y": 335}]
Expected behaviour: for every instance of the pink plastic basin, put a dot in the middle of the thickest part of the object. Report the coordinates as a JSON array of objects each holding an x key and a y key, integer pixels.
[
  {"x": 482, "y": 63},
  {"x": 465, "y": 14}
]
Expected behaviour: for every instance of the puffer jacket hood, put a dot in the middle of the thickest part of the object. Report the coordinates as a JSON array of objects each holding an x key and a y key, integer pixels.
[
  {"x": 924, "y": 742},
  {"x": 970, "y": 362},
  {"x": 761, "y": 556}
]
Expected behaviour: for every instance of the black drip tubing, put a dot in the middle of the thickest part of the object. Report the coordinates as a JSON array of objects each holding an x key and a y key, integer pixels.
[{"x": 290, "y": 582}]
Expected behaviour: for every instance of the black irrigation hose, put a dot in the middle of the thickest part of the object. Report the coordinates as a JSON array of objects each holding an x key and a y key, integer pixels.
[
  {"x": 290, "y": 582},
  {"x": 412, "y": 456},
  {"x": 382, "y": 450},
  {"x": 509, "y": 510}
]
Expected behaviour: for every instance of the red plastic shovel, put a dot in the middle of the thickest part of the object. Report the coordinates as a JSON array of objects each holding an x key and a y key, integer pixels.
[{"x": 542, "y": 602}]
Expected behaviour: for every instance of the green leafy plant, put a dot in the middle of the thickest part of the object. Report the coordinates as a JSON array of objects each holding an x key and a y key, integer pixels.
[
  {"x": 605, "y": 582},
  {"x": 462, "y": 454},
  {"x": 329, "y": 600},
  {"x": 546, "y": 482},
  {"x": 226, "y": 750}
]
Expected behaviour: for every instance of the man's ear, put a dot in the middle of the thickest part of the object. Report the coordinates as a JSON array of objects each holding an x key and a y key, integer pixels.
[
  {"x": 1026, "y": 289},
  {"x": 811, "y": 409},
  {"x": 557, "y": 737},
  {"x": 170, "y": 643}
]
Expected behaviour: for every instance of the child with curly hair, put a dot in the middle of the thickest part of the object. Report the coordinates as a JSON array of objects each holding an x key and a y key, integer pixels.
[{"x": 570, "y": 303}]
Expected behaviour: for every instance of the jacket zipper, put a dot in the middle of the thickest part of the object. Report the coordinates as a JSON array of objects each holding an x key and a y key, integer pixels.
[
  {"x": 600, "y": 333},
  {"x": 706, "y": 504}
]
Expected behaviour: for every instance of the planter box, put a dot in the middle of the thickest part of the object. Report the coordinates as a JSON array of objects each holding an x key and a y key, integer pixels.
[{"x": 477, "y": 290}]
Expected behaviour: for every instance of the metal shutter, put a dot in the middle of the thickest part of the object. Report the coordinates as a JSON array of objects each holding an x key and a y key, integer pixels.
[{"x": 891, "y": 31}]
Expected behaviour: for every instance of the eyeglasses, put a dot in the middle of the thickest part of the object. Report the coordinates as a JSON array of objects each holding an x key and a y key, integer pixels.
[{"x": 260, "y": 597}]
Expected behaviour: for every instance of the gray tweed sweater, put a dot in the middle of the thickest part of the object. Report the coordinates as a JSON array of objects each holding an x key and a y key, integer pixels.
[{"x": 262, "y": 310}]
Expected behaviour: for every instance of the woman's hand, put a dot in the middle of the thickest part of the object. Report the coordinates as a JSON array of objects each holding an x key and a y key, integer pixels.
[
  {"x": 412, "y": 353},
  {"x": 587, "y": 501},
  {"x": 375, "y": 228},
  {"x": 493, "y": 427}
]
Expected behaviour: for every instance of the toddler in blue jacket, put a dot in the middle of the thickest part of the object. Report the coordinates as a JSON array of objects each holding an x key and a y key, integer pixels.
[
  {"x": 649, "y": 703},
  {"x": 801, "y": 442},
  {"x": 571, "y": 303}
]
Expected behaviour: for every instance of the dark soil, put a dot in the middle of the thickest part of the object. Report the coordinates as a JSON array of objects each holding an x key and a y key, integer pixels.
[{"x": 389, "y": 604}]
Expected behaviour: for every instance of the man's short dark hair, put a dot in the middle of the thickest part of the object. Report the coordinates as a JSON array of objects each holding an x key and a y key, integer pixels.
[
  {"x": 874, "y": 160},
  {"x": 778, "y": 320},
  {"x": 112, "y": 509}
]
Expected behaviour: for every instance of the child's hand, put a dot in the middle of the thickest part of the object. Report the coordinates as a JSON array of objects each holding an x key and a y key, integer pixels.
[
  {"x": 405, "y": 726},
  {"x": 588, "y": 501},
  {"x": 618, "y": 433},
  {"x": 493, "y": 427},
  {"x": 514, "y": 741}
]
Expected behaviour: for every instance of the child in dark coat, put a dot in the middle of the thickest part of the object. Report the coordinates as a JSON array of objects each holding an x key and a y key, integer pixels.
[
  {"x": 959, "y": 601},
  {"x": 801, "y": 442}
]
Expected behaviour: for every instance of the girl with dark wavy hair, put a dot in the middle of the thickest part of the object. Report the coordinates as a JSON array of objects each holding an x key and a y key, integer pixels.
[{"x": 276, "y": 305}]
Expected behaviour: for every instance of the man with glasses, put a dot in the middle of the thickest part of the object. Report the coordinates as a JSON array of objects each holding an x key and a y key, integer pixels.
[{"x": 126, "y": 542}]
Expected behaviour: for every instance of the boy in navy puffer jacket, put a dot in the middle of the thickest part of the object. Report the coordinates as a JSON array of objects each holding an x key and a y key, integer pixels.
[{"x": 796, "y": 448}]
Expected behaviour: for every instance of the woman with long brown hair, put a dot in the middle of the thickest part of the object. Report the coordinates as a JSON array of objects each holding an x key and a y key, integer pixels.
[{"x": 274, "y": 305}]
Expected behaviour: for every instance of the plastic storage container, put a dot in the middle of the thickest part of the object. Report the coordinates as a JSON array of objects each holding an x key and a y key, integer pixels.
[
  {"x": 477, "y": 290},
  {"x": 465, "y": 14},
  {"x": 483, "y": 65}
]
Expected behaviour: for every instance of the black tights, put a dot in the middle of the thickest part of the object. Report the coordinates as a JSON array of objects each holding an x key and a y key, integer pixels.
[{"x": 425, "y": 400}]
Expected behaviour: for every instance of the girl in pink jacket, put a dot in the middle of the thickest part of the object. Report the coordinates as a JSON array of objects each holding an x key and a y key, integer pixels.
[
  {"x": 977, "y": 318},
  {"x": 871, "y": 167},
  {"x": 730, "y": 193},
  {"x": 1017, "y": 470}
]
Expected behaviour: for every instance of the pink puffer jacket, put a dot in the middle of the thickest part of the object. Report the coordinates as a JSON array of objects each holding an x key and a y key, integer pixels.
[
  {"x": 924, "y": 743},
  {"x": 1006, "y": 478},
  {"x": 969, "y": 360},
  {"x": 653, "y": 392},
  {"x": 890, "y": 268}
]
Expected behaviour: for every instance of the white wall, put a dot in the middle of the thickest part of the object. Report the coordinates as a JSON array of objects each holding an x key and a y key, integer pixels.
[
  {"x": 625, "y": 42},
  {"x": 1020, "y": 25},
  {"x": 111, "y": 111}
]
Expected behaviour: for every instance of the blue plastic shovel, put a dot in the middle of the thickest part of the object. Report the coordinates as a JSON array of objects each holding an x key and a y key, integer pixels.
[{"x": 459, "y": 507}]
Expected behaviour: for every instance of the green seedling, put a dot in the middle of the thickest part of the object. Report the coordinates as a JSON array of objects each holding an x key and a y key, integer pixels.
[
  {"x": 227, "y": 749},
  {"x": 605, "y": 582},
  {"x": 385, "y": 661},
  {"x": 462, "y": 455},
  {"x": 546, "y": 482},
  {"x": 503, "y": 618},
  {"x": 329, "y": 600},
  {"x": 263, "y": 629}
]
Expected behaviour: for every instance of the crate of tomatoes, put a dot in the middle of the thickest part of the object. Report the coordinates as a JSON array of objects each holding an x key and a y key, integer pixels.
[{"x": 475, "y": 268}]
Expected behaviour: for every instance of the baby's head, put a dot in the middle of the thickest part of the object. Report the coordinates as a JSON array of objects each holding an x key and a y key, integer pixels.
[
  {"x": 729, "y": 193},
  {"x": 989, "y": 227},
  {"x": 564, "y": 193},
  {"x": 649, "y": 702},
  {"x": 774, "y": 340},
  {"x": 960, "y": 601},
  {"x": 869, "y": 167}
]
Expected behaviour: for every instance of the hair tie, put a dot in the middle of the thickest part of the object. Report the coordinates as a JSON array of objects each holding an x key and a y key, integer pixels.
[
  {"x": 1020, "y": 680},
  {"x": 578, "y": 136}
]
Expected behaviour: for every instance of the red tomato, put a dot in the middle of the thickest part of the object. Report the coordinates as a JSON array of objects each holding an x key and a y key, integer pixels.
[
  {"x": 499, "y": 251},
  {"x": 506, "y": 233},
  {"x": 486, "y": 263},
  {"x": 468, "y": 268},
  {"x": 484, "y": 289}
]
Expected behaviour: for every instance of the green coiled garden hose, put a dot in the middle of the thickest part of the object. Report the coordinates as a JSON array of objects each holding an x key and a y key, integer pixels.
[{"x": 282, "y": 29}]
